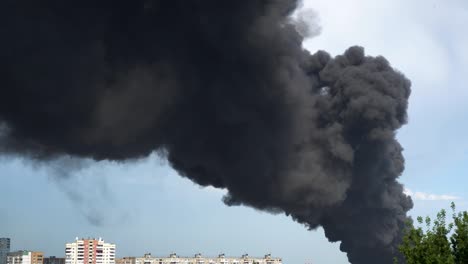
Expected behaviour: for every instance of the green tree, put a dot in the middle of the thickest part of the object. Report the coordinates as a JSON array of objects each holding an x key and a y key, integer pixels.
[
  {"x": 439, "y": 242},
  {"x": 459, "y": 238}
]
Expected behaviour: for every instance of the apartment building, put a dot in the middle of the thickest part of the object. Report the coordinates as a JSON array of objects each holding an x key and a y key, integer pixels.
[
  {"x": 4, "y": 249},
  {"x": 126, "y": 260},
  {"x": 25, "y": 257},
  {"x": 89, "y": 251},
  {"x": 37, "y": 257},
  {"x": 54, "y": 260},
  {"x": 199, "y": 259}
]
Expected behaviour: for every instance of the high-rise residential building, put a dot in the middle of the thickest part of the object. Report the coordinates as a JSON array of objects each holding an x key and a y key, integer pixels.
[
  {"x": 25, "y": 257},
  {"x": 4, "y": 249},
  {"x": 54, "y": 260},
  {"x": 89, "y": 251}
]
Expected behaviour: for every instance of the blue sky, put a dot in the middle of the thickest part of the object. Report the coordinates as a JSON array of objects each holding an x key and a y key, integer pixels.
[{"x": 146, "y": 207}]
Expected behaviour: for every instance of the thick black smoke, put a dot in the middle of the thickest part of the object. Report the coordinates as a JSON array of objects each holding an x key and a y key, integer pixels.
[{"x": 225, "y": 90}]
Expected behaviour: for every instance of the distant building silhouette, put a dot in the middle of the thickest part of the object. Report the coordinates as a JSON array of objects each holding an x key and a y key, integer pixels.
[
  {"x": 198, "y": 259},
  {"x": 4, "y": 249},
  {"x": 54, "y": 260}
]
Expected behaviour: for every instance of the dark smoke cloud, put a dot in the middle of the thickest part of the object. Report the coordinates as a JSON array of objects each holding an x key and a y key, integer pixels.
[{"x": 224, "y": 90}]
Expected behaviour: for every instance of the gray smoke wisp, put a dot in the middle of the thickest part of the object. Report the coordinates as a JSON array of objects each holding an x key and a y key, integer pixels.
[
  {"x": 225, "y": 91},
  {"x": 307, "y": 23}
]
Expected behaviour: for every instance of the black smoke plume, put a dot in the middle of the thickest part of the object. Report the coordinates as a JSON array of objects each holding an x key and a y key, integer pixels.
[{"x": 226, "y": 92}]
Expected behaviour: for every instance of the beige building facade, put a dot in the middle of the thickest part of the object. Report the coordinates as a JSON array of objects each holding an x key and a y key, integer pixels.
[
  {"x": 37, "y": 257},
  {"x": 199, "y": 259},
  {"x": 125, "y": 260}
]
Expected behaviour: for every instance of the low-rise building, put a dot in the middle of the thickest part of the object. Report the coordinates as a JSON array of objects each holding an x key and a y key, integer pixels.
[
  {"x": 37, "y": 257},
  {"x": 25, "y": 257},
  {"x": 199, "y": 259},
  {"x": 54, "y": 260},
  {"x": 146, "y": 259},
  {"x": 125, "y": 260}
]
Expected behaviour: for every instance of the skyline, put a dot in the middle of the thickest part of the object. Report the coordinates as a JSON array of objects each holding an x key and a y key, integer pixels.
[
  {"x": 19, "y": 249},
  {"x": 147, "y": 205}
]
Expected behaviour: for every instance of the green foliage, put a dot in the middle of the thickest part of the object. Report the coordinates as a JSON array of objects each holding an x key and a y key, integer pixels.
[
  {"x": 459, "y": 238},
  {"x": 439, "y": 243}
]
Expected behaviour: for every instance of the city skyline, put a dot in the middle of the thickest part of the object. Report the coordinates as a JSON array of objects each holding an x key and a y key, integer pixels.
[
  {"x": 86, "y": 238},
  {"x": 97, "y": 251}
]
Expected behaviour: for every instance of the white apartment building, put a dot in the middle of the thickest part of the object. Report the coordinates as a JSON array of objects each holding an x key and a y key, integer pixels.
[
  {"x": 89, "y": 251},
  {"x": 25, "y": 257},
  {"x": 19, "y": 257}
]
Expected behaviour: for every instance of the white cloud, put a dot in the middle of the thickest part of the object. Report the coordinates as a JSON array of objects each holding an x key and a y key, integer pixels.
[
  {"x": 422, "y": 196},
  {"x": 215, "y": 190}
]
